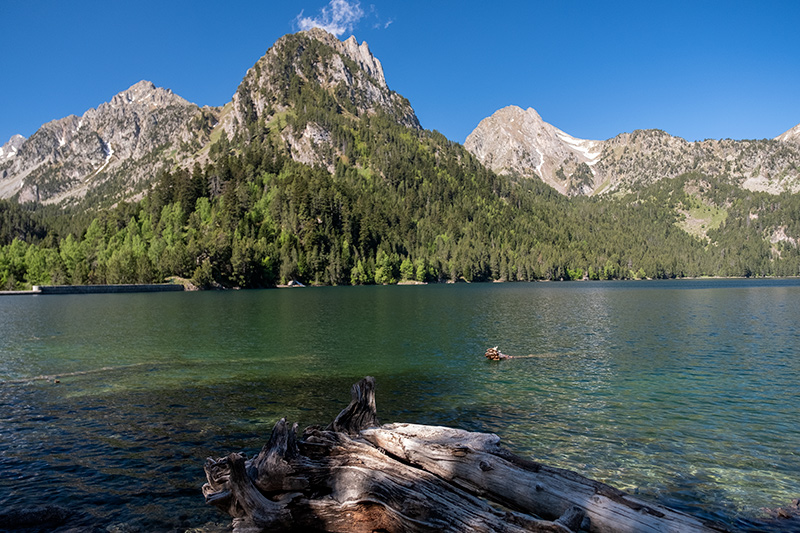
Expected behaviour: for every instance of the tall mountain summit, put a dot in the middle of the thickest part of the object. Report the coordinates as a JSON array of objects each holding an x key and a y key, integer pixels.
[
  {"x": 518, "y": 142},
  {"x": 115, "y": 151},
  {"x": 513, "y": 141},
  {"x": 353, "y": 85}
]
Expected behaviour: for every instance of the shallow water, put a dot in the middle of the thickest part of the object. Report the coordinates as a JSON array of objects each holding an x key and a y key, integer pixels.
[{"x": 684, "y": 392}]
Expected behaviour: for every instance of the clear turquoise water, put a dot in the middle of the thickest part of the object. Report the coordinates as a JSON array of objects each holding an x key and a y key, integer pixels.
[{"x": 685, "y": 392}]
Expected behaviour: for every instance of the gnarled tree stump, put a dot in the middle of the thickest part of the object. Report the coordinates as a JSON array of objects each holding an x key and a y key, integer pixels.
[
  {"x": 357, "y": 476},
  {"x": 494, "y": 354}
]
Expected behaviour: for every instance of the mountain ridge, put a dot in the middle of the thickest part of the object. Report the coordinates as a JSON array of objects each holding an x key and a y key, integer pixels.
[
  {"x": 790, "y": 135},
  {"x": 66, "y": 157},
  {"x": 519, "y": 142}
]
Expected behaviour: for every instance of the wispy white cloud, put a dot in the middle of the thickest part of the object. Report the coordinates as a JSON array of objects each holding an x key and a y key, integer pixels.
[{"x": 338, "y": 17}]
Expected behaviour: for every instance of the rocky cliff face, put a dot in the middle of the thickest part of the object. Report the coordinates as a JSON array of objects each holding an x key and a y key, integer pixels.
[
  {"x": 517, "y": 142},
  {"x": 10, "y": 149},
  {"x": 125, "y": 140}
]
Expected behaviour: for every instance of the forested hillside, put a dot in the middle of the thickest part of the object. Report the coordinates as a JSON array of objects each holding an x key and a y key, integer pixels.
[
  {"x": 256, "y": 219},
  {"x": 386, "y": 202}
]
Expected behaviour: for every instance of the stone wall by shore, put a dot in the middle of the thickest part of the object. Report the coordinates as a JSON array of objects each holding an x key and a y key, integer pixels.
[{"x": 97, "y": 289}]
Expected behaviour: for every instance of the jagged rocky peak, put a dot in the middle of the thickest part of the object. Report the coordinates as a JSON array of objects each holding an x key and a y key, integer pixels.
[
  {"x": 146, "y": 93},
  {"x": 10, "y": 149},
  {"x": 139, "y": 119},
  {"x": 360, "y": 54},
  {"x": 66, "y": 157},
  {"x": 142, "y": 98},
  {"x": 316, "y": 59},
  {"x": 293, "y": 77}
]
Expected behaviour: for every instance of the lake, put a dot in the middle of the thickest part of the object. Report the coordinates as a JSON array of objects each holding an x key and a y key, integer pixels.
[{"x": 683, "y": 392}]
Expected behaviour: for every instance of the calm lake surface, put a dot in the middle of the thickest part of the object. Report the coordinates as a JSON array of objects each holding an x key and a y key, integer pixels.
[{"x": 684, "y": 392}]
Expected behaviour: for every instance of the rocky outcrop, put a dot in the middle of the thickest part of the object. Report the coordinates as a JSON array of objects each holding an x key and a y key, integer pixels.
[
  {"x": 10, "y": 149},
  {"x": 792, "y": 135},
  {"x": 520, "y": 143},
  {"x": 358, "y": 53}
]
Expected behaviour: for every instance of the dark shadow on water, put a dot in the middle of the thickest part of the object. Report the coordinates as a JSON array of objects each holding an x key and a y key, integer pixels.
[{"x": 136, "y": 457}]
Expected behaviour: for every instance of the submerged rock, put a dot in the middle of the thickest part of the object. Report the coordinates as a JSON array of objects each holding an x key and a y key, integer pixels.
[{"x": 47, "y": 515}]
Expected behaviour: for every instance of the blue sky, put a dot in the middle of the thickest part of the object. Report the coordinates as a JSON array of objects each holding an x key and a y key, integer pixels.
[{"x": 594, "y": 69}]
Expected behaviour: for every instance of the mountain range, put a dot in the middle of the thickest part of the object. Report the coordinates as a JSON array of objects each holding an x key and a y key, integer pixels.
[
  {"x": 113, "y": 152},
  {"x": 317, "y": 171},
  {"x": 116, "y": 149},
  {"x": 519, "y": 143}
]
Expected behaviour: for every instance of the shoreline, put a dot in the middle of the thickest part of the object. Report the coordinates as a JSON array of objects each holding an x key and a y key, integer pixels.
[
  {"x": 179, "y": 287},
  {"x": 96, "y": 289}
]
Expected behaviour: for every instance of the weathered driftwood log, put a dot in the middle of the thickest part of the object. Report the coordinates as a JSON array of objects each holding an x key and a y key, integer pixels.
[
  {"x": 475, "y": 462},
  {"x": 357, "y": 477},
  {"x": 494, "y": 354}
]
